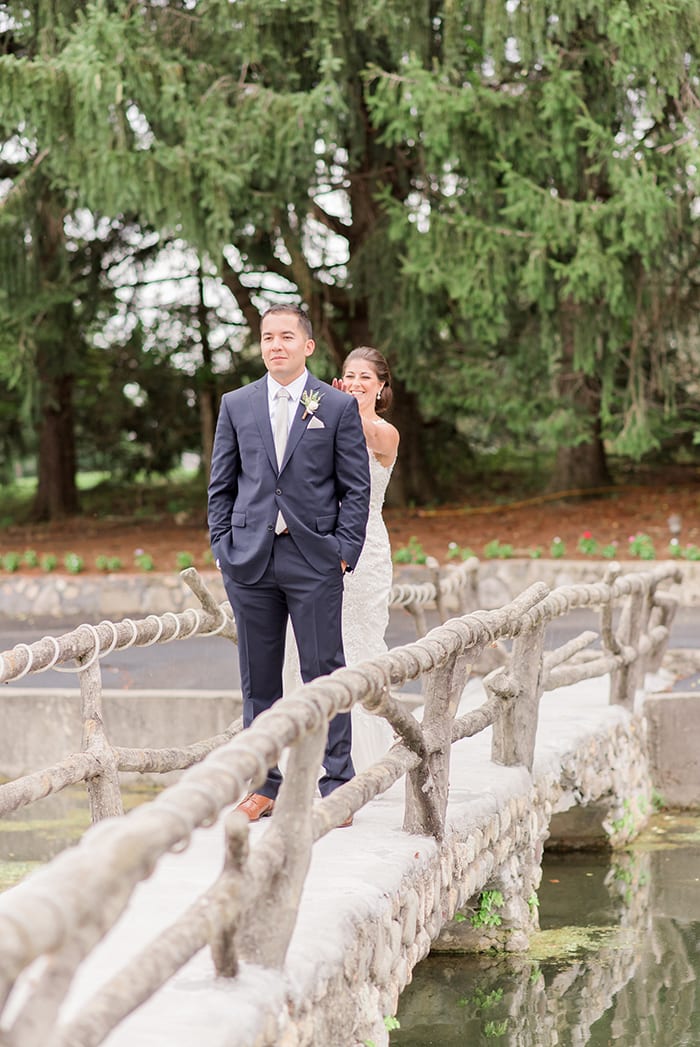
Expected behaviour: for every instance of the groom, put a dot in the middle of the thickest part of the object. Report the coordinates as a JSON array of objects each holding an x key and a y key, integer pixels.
[{"x": 288, "y": 506}]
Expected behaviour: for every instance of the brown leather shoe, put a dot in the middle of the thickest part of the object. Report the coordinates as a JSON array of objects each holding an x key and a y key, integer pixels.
[{"x": 256, "y": 806}]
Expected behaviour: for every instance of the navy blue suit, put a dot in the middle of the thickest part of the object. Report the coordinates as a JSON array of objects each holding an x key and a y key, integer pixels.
[{"x": 322, "y": 490}]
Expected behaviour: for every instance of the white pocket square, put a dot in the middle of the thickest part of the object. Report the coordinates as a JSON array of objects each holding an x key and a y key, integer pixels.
[{"x": 315, "y": 423}]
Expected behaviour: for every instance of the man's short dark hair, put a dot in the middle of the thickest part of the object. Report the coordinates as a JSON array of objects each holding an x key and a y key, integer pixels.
[{"x": 294, "y": 310}]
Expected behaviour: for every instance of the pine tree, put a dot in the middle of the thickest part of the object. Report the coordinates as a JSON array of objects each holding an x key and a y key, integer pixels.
[{"x": 500, "y": 196}]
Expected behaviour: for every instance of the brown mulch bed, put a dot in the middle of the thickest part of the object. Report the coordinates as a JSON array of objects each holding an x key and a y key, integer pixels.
[{"x": 612, "y": 515}]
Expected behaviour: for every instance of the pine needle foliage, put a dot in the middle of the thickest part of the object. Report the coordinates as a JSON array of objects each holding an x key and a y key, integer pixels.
[{"x": 500, "y": 195}]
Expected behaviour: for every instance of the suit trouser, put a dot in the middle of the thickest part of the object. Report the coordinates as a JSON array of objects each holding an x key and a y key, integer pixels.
[{"x": 290, "y": 587}]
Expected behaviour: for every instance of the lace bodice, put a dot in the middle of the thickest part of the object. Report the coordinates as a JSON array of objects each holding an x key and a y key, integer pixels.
[{"x": 379, "y": 479}]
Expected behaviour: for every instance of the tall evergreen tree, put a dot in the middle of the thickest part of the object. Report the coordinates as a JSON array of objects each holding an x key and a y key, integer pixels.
[
  {"x": 500, "y": 196},
  {"x": 557, "y": 215}
]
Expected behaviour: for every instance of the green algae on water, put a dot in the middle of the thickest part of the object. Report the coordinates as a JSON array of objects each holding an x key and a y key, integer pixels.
[
  {"x": 563, "y": 943},
  {"x": 12, "y": 873}
]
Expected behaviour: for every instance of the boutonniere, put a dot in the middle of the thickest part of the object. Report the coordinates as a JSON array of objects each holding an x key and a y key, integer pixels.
[{"x": 311, "y": 400}]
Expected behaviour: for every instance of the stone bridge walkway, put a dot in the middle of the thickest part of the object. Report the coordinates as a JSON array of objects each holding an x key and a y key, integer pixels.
[{"x": 375, "y": 896}]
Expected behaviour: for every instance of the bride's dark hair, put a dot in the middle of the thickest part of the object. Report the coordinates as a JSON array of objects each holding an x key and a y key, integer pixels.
[{"x": 375, "y": 358}]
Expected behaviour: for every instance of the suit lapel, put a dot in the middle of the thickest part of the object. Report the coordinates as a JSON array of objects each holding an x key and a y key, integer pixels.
[
  {"x": 261, "y": 413},
  {"x": 298, "y": 427}
]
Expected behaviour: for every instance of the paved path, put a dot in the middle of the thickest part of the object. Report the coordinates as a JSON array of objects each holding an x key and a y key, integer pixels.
[{"x": 212, "y": 664}]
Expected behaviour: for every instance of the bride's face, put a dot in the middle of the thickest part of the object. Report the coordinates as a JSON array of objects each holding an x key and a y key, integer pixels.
[{"x": 361, "y": 381}]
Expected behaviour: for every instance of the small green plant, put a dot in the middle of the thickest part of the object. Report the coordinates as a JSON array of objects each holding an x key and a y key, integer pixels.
[
  {"x": 486, "y": 1000},
  {"x": 11, "y": 562},
  {"x": 587, "y": 544},
  {"x": 495, "y": 550},
  {"x": 625, "y": 823},
  {"x": 691, "y": 552},
  {"x": 184, "y": 560},
  {"x": 486, "y": 915},
  {"x": 30, "y": 558},
  {"x": 609, "y": 551},
  {"x": 73, "y": 563},
  {"x": 458, "y": 552},
  {"x": 536, "y": 553},
  {"x": 641, "y": 546},
  {"x": 493, "y": 1029},
  {"x": 557, "y": 549},
  {"x": 49, "y": 563},
  {"x": 657, "y": 800},
  {"x": 533, "y": 902},
  {"x": 144, "y": 561},
  {"x": 108, "y": 564},
  {"x": 412, "y": 552}
]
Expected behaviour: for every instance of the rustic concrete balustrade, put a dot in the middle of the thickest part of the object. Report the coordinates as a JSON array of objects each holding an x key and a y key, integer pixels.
[{"x": 62, "y": 911}]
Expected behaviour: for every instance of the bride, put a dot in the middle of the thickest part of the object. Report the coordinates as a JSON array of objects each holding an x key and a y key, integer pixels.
[{"x": 366, "y": 376}]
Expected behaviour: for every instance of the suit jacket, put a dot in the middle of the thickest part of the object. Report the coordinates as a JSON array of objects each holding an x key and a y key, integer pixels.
[{"x": 322, "y": 487}]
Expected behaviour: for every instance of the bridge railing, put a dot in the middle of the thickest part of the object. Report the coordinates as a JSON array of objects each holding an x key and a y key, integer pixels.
[
  {"x": 99, "y": 762},
  {"x": 62, "y": 911}
]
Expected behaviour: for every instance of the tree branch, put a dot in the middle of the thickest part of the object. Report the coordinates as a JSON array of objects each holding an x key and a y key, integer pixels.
[
  {"x": 242, "y": 295},
  {"x": 330, "y": 222}
]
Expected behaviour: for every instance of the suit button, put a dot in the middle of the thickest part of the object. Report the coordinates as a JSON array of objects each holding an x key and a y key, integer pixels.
[
  {"x": 278, "y": 491},
  {"x": 270, "y": 527}
]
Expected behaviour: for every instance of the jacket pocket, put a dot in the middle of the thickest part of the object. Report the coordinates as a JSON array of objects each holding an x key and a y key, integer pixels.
[
  {"x": 326, "y": 524},
  {"x": 237, "y": 519}
]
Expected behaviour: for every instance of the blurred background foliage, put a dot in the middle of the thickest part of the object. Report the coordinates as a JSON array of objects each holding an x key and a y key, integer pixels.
[{"x": 503, "y": 198}]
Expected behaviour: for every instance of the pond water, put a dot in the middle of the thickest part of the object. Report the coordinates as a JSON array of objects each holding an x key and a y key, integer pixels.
[
  {"x": 33, "y": 835},
  {"x": 616, "y": 960}
]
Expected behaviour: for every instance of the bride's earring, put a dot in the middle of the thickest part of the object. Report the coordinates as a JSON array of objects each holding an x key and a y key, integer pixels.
[{"x": 379, "y": 395}]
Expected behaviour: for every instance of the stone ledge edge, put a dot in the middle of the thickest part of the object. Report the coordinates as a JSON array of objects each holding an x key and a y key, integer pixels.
[{"x": 69, "y": 598}]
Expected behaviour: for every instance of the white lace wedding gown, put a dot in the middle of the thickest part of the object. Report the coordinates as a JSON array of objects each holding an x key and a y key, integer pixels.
[{"x": 365, "y": 619}]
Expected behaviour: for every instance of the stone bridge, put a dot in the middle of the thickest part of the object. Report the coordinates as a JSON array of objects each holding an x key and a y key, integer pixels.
[{"x": 179, "y": 924}]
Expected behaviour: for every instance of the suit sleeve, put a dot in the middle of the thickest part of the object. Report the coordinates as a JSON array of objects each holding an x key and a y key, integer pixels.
[
  {"x": 223, "y": 479},
  {"x": 353, "y": 482}
]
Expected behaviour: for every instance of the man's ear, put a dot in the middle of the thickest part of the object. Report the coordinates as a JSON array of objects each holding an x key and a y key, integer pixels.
[{"x": 309, "y": 347}]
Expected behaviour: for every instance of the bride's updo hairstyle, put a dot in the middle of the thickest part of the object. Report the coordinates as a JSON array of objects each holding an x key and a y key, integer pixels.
[{"x": 379, "y": 364}]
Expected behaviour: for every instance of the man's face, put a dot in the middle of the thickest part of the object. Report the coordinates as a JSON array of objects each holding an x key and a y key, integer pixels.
[{"x": 284, "y": 346}]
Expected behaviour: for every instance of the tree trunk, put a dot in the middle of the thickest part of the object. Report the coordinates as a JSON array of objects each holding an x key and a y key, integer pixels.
[
  {"x": 412, "y": 481},
  {"x": 584, "y": 465},
  {"x": 581, "y": 468},
  {"x": 56, "y": 339},
  {"x": 57, "y": 493},
  {"x": 206, "y": 394}
]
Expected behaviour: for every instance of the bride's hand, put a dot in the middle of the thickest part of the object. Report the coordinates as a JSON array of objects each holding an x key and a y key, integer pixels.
[{"x": 338, "y": 383}]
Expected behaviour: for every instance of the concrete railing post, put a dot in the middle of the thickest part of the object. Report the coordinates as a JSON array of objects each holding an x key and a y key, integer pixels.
[
  {"x": 223, "y": 935},
  {"x": 661, "y": 615},
  {"x": 625, "y": 679},
  {"x": 435, "y": 577},
  {"x": 521, "y": 688},
  {"x": 427, "y": 786},
  {"x": 266, "y": 925},
  {"x": 103, "y": 789}
]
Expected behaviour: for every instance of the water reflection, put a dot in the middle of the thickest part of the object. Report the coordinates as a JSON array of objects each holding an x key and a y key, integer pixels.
[{"x": 616, "y": 960}]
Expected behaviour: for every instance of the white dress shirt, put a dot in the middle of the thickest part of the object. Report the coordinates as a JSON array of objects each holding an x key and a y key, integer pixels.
[{"x": 295, "y": 389}]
